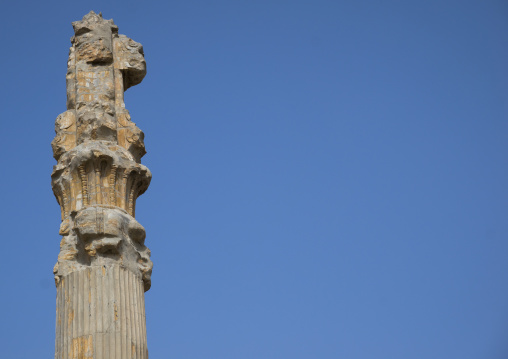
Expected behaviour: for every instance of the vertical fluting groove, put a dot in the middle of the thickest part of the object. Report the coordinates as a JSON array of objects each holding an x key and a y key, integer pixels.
[
  {"x": 70, "y": 314},
  {"x": 123, "y": 316},
  {"x": 99, "y": 313},
  {"x": 140, "y": 323},
  {"x": 68, "y": 332},
  {"x": 105, "y": 314},
  {"x": 74, "y": 301},
  {"x": 58, "y": 319},
  {"x": 102, "y": 319},
  {"x": 128, "y": 312},
  {"x": 78, "y": 311},
  {"x": 124, "y": 189},
  {"x": 85, "y": 289},
  {"x": 65, "y": 308},
  {"x": 93, "y": 307},
  {"x": 64, "y": 318},
  {"x": 61, "y": 311},
  {"x": 134, "y": 197},
  {"x": 110, "y": 301},
  {"x": 140, "y": 315},
  {"x": 143, "y": 316},
  {"x": 131, "y": 198},
  {"x": 143, "y": 323},
  {"x": 112, "y": 185},
  {"x": 98, "y": 199},
  {"x": 84, "y": 184},
  {"x": 134, "y": 315},
  {"x": 128, "y": 309},
  {"x": 70, "y": 321},
  {"x": 73, "y": 298},
  {"x": 118, "y": 334},
  {"x": 138, "y": 327}
]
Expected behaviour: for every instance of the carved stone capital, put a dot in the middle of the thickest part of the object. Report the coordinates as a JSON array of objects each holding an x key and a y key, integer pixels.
[
  {"x": 101, "y": 236},
  {"x": 99, "y": 176}
]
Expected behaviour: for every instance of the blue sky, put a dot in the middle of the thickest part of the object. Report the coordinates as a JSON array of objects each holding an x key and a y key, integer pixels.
[{"x": 329, "y": 177}]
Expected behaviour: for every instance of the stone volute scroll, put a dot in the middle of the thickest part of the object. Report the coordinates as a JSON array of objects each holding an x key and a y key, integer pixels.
[{"x": 104, "y": 267}]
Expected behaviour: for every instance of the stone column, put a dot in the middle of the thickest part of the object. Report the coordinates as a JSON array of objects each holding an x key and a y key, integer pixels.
[{"x": 103, "y": 268}]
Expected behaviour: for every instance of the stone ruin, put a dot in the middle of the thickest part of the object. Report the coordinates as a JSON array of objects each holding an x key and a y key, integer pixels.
[{"x": 104, "y": 267}]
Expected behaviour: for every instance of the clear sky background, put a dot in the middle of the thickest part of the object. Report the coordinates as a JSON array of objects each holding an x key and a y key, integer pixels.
[{"x": 329, "y": 177}]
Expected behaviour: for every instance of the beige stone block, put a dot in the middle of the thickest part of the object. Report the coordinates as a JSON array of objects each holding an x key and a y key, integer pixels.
[{"x": 94, "y": 52}]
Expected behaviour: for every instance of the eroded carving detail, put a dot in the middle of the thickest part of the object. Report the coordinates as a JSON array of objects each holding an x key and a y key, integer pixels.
[{"x": 98, "y": 148}]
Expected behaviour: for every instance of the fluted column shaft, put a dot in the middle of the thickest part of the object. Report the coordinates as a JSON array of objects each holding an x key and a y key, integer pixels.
[{"x": 101, "y": 315}]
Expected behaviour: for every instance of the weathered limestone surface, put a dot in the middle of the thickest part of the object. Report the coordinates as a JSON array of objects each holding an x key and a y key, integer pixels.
[
  {"x": 108, "y": 322},
  {"x": 104, "y": 266}
]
